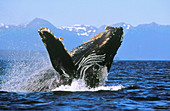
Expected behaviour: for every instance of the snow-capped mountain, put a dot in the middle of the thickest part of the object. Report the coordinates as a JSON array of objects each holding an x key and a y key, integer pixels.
[
  {"x": 122, "y": 24},
  {"x": 89, "y": 30},
  {"x": 2, "y": 25},
  {"x": 81, "y": 30},
  {"x": 142, "y": 42},
  {"x": 26, "y": 37}
]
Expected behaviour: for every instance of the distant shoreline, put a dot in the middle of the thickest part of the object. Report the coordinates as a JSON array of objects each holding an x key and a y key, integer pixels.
[{"x": 29, "y": 54}]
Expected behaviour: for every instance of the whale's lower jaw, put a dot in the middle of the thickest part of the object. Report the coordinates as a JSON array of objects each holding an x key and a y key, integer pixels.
[{"x": 87, "y": 61}]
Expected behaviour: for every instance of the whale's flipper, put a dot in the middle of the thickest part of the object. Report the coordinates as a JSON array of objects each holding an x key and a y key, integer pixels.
[{"x": 60, "y": 58}]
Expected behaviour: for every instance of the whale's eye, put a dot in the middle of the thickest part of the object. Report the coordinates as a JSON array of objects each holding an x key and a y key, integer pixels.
[{"x": 96, "y": 67}]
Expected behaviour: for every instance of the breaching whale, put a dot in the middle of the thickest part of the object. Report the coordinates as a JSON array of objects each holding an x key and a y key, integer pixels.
[{"x": 86, "y": 61}]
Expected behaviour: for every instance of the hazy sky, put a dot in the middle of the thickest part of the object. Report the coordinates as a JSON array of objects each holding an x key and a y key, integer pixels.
[{"x": 92, "y": 12}]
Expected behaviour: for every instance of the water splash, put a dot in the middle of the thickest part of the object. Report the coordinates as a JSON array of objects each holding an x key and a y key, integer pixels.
[
  {"x": 18, "y": 72},
  {"x": 37, "y": 74},
  {"x": 80, "y": 86},
  {"x": 43, "y": 80}
]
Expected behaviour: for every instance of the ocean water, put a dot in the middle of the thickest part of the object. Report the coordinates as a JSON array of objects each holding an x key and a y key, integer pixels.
[{"x": 131, "y": 85}]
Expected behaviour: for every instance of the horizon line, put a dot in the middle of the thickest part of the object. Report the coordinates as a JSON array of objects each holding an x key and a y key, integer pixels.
[{"x": 153, "y": 22}]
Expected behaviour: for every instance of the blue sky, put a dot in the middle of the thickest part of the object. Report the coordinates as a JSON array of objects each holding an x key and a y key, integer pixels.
[{"x": 91, "y": 12}]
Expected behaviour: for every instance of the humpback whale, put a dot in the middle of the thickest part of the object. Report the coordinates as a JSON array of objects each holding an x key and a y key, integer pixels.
[{"x": 86, "y": 61}]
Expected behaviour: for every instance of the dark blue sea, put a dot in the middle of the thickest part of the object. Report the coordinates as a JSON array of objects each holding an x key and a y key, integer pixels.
[{"x": 131, "y": 85}]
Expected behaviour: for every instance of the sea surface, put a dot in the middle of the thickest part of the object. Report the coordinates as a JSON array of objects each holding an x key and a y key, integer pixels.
[{"x": 131, "y": 85}]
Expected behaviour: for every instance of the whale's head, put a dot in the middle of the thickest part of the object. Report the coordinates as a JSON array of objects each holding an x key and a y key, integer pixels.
[
  {"x": 108, "y": 44},
  {"x": 94, "y": 58}
]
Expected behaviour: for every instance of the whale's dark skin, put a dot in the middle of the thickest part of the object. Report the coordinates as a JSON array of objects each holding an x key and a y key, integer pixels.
[{"x": 85, "y": 61}]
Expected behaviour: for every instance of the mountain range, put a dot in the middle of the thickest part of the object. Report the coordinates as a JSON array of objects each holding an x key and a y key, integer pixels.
[{"x": 142, "y": 42}]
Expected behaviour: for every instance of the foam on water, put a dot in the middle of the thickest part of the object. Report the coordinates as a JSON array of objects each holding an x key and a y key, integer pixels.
[{"x": 79, "y": 86}]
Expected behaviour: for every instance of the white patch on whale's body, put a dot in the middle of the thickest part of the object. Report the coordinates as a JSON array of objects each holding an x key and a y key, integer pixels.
[
  {"x": 90, "y": 60},
  {"x": 80, "y": 85}
]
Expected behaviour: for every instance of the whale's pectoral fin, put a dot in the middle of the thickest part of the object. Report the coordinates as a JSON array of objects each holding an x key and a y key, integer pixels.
[{"x": 60, "y": 58}]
